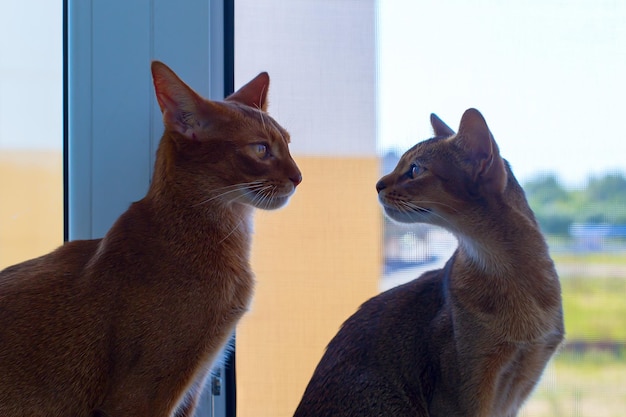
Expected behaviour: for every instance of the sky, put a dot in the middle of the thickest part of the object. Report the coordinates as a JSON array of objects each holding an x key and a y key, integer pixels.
[
  {"x": 549, "y": 77},
  {"x": 31, "y": 74}
]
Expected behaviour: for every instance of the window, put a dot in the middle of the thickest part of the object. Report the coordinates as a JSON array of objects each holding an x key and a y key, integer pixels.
[
  {"x": 318, "y": 258},
  {"x": 31, "y": 130},
  {"x": 355, "y": 82},
  {"x": 113, "y": 121},
  {"x": 548, "y": 77}
]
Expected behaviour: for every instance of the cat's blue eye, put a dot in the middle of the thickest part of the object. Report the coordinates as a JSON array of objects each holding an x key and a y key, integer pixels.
[
  {"x": 261, "y": 150},
  {"x": 413, "y": 171}
]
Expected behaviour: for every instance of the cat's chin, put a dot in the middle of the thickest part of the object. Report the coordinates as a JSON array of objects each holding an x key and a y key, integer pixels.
[
  {"x": 264, "y": 200},
  {"x": 403, "y": 216},
  {"x": 272, "y": 203}
]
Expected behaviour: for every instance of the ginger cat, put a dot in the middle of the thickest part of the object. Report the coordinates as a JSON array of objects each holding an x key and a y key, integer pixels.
[
  {"x": 129, "y": 325},
  {"x": 471, "y": 339}
]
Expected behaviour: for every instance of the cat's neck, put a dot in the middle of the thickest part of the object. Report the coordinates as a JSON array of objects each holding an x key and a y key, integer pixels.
[
  {"x": 503, "y": 273},
  {"x": 504, "y": 238},
  {"x": 189, "y": 215},
  {"x": 173, "y": 189},
  {"x": 209, "y": 225},
  {"x": 202, "y": 226}
]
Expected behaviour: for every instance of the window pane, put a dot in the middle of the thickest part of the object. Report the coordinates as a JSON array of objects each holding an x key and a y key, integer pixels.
[
  {"x": 547, "y": 76},
  {"x": 31, "y": 106},
  {"x": 318, "y": 258}
]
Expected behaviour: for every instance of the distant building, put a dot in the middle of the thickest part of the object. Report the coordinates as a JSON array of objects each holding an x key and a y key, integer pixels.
[{"x": 591, "y": 236}]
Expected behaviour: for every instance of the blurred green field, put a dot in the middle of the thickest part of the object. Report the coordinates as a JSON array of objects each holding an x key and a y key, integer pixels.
[
  {"x": 588, "y": 385},
  {"x": 594, "y": 308},
  {"x": 589, "y": 381},
  {"x": 604, "y": 258},
  {"x": 594, "y": 295}
]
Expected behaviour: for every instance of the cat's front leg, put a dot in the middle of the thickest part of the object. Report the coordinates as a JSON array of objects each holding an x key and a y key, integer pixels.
[{"x": 188, "y": 405}]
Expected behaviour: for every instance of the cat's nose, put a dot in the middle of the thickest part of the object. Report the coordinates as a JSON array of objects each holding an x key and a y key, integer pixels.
[
  {"x": 296, "y": 179},
  {"x": 380, "y": 185}
]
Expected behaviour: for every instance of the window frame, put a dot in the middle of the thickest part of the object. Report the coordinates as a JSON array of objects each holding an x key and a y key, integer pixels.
[{"x": 107, "y": 48}]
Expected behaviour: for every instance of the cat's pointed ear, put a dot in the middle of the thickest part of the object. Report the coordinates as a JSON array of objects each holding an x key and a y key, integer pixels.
[
  {"x": 179, "y": 104},
  {"x": 439, "y": 127},
  {"x": 254, "y": 93},
  {"x": 475, "y": 137}
]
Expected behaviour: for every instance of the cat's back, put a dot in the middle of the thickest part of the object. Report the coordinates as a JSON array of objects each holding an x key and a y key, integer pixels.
[
  {"x": 388, "y": 349},
  {"x": 60, "y": 266},
  {"x": 47, "y": 317},
  {"x": 386, "y": 318},
  {"x": 47, "y": 294}
]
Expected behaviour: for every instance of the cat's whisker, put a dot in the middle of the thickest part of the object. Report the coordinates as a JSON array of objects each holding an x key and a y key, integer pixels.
[
  {"x": 217, "y": 196},
  {"x": 262, "y": 113},
  {"x": 409, "y": 208},
  {"x": 231, "y": 189},
  {"x": 442, "y": 205},
  {"x": 259, "y": 193},
  {"x": 412, "y": 207},
  {"x": 262, "y": 200},
  {"x": 243, "y": 184},
  {"x": 258, "y": 189},
  {"x": 259, "y": 106},
  {"x": 231, "y": 232},
  {"x": 265, "y": 195},
  {"x": 444, "y": 219},
  {"x": 263, "y": 116}
]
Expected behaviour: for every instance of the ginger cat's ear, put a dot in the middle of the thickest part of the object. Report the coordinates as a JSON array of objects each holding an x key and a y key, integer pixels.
[
  {"x": 439, "y": 127},
  {"x": 254, "y": 93},
  {"x": 179, "y": 104},
  {"x": 475, "y": 137}
]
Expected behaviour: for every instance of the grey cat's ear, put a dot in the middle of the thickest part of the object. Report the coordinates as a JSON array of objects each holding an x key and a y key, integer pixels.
[
  {"x": 439, "y": 127},
  {"x": 178, "y": 102},
  {"x": 254, "y": 93},
  {"x": 475, "y": 137}
]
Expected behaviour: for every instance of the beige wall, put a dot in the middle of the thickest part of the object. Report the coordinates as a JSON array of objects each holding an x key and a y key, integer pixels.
[
  {"x": 319, "y": 258},
  {"x": 31, "y": 204},
  {"x": 315, "y": 261}
]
